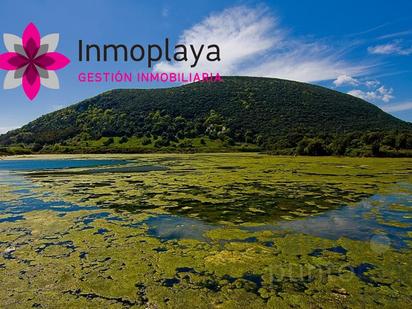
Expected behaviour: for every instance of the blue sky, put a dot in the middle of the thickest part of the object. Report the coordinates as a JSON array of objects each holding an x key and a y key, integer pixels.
[{"x": 359, "y": 47}]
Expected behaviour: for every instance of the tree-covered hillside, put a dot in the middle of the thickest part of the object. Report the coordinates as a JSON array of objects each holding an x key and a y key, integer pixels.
[{"x": 240, "y": 113}]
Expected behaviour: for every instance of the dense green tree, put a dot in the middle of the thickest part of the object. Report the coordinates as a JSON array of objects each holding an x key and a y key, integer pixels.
[{"x": 279, "y": 116}]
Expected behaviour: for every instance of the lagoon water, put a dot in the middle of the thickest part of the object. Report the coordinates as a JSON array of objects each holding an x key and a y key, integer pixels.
[
  {"x": 168, "y": 230},
  {"x": 38, "y": 165}
]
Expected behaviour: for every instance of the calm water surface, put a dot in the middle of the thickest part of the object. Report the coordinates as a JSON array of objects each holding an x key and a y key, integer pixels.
[{"x": 370, "y": 216}]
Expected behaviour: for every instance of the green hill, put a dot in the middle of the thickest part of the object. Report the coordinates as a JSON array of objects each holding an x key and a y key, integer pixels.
[{"x": 241, "y": 113}]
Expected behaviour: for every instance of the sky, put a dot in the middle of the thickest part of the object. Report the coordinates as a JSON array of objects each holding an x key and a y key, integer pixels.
[{"x": 363, "y": 48}]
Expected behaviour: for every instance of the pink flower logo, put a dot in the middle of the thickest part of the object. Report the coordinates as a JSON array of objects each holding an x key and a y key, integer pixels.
[{"x": 32, "y": 61}]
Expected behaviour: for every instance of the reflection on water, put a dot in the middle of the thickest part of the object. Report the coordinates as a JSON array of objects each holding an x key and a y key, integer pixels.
[
  {"x": 387, "y": 215},
  {"x": 374, "y": 215},
  {"x": 27, "y": 204},
  {"x": 369, "y": 217},
  {"x": 241, "y": 231},
  {"x": 168, "y": 227}
]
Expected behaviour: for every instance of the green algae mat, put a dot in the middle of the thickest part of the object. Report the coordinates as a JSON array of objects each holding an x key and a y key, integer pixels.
[{"x": 205, "y": 231}]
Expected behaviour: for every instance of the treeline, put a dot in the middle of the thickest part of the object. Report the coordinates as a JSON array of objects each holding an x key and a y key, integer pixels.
[
  {"x": 96, "y": 123},
  {"x": 163, "y": 132},
  {"x": 385, "y": 144}
]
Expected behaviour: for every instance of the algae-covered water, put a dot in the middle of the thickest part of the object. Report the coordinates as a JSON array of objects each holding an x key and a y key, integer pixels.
[{"x": 205, "y": 231}]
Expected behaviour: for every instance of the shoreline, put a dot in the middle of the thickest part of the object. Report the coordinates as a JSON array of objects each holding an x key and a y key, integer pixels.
[{"x": 102, "y": 156}]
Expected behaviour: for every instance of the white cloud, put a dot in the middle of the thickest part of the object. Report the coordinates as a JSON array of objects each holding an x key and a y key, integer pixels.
[
  {"x": 384, "y": 49},
  {"x": 393, "y": 48},
  {"x": 345, "y": 80},
  {"x": 373, "y": 91},
  {"x": 398, "y": 107},
  {"x": 380, "y": 94},
  {"x": 359, "y": 94},
  {"x": 6, "y": 129},
  {"x": 372, "y": 83},
  {"x": 396, "y": 34},
  {"x": 57, "y": 107},
  {"x": 385, "y": 94},
  {"x": 239, "y": 32},
  {"x": 252, "y": 43}
]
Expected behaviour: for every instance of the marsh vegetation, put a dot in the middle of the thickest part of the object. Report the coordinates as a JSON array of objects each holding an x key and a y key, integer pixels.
[{"x": 205, "y": 230}]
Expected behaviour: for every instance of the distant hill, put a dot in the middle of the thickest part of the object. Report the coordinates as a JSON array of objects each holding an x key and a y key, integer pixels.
[{"x": 241, "y": 113}]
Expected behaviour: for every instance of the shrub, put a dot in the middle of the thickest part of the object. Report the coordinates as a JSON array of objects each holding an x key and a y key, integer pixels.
[
  {"x": 123, "y": 140},
  {"x": 146, "y": 141},
  {"x": 108, "y": 142}
]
